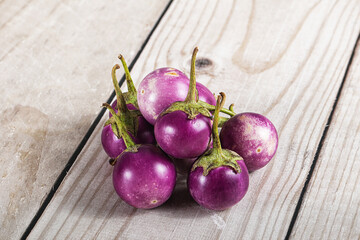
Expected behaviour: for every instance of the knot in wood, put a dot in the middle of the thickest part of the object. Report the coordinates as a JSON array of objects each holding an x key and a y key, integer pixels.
[{"x": 203, "y": 63}]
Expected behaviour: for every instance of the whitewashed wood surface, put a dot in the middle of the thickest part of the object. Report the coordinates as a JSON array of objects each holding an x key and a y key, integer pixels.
[
  {"x": 331, "y": 209},
  {"x": 284, "y": 59},
  {"x": 55, "y": 57}
]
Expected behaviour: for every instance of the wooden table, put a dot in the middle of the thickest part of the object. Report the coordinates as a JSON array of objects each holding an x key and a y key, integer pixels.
[{"x": 297, "y": 62}]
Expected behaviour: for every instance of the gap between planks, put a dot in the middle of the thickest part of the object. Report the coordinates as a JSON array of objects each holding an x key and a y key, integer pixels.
[
  {"x": 321, "y": 143},
  {"x": 88, "y": 133}
]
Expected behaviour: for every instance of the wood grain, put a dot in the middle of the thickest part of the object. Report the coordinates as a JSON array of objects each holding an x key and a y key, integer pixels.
[
  {"x": 331, "y": 208},
  {"x": 55, "y": 57},
  {"x": 279, "y": 58}
]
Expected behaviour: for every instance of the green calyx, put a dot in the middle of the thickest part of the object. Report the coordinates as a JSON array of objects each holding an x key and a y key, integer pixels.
[
  {"x": 214, "y": 158},
  {"x": 210, "y": 107},
  {"x": 190, "y": 105},
  {"x": 125, "y": 121},
  {"x": 128, "y": 121},
  {"x": 127, "y": 117},
  {"x": 191, "y": 109},
  {"x": 217, "y": 157},
  {"x": 131, "y": 95},
  {"x": 119, "y": 127}
]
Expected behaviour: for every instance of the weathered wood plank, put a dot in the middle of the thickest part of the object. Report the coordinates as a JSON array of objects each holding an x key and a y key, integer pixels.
[
  {"x": 282, "y": 59},
  {"x": 52, "y": 58},
  {"x": 331, "y": 208}
]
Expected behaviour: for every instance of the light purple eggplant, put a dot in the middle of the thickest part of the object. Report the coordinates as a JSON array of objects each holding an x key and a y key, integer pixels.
[
  {"x": 164, "y": 86},
  {"x": 252, "y": 136}
]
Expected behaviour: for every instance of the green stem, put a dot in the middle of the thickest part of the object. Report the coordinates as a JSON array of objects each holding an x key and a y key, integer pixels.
[
  {"x": 121, "y": 104},
  {"x": 122, "y": 130},
  {"x": 215, "y": 129},
  {"x": 227, "y": 111},
  {"x": 191, "y": 96},
  {"x": 129, "y": 81},
  {"x": 210, "y": 107},
  {"x": 231, "y": 107}
]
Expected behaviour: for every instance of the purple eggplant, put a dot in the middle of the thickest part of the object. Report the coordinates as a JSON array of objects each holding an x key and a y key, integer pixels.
[
  {"x": 145, "y": 177},
  {"x": 164, "y": 86},
  {"x": 219, "y": 179},
  {"x": 183, "y": 130},
  {"x": 138, "y": 128},
  {"x": 252, "y": 136}
]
